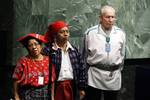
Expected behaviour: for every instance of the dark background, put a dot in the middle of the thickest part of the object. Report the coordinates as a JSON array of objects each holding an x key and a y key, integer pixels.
[
  {"x": 136, "y": 73},
  {"x": 6, "y": 33}
]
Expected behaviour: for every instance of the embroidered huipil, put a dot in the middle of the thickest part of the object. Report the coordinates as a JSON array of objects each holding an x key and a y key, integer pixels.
[{"x": 27, "y": 71}]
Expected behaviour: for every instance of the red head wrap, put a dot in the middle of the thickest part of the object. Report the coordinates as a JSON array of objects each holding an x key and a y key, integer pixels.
[
  {"x": 53, "y": 29},
  {"x": 39, "y": 37}
]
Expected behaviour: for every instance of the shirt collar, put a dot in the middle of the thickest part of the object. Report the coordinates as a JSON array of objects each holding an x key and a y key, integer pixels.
[
  {"x": 55, "y": 46},
  {"x": 101, "y": 30}
]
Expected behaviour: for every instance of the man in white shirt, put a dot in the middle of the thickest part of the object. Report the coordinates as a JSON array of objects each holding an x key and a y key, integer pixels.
[
  {"x": 104, "y": 54},
  {"x": 70, "y": 73}
]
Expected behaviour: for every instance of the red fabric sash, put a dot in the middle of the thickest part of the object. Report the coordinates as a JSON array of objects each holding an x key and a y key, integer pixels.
[{"x": 64, "y": 90}]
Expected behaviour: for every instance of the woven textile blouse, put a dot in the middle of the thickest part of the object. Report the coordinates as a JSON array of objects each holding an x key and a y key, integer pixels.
[{"x": 27, "y": 71}]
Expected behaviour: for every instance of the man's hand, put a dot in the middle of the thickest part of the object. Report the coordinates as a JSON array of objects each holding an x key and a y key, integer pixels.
[{"x": 82, "y": 94}]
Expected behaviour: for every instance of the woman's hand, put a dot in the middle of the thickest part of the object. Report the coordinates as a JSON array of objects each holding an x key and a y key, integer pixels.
[{"x": 17, "y": 98}]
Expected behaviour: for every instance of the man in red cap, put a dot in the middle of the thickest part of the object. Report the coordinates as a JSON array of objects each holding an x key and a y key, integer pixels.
[
  {"x": 53, "y": 30},
  {"x": 31, "y": 74},
  {"x": 69, "y": 69}
]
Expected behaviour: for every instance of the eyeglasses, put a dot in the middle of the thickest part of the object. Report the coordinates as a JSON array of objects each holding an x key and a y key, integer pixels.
[
  {"x": 33, "y": 44},
  {"x": 63, "y": 31}
]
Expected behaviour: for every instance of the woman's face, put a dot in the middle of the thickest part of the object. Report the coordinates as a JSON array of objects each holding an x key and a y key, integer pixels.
[{"x": 34, "y": 47}]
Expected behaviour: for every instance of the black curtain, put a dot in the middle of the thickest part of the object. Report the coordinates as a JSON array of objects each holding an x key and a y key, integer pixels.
[{"x": 6, "y": 33}]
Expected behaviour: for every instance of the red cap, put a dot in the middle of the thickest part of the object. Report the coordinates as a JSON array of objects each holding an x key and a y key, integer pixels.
[
  {"x": 32, "y": 35},
  {"x": 53, "y": 29}
]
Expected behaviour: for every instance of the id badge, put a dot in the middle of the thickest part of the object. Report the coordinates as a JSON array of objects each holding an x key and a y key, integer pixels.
[
  {"x": 107, "y": 47},
  {"x": 40, "y": 80}
]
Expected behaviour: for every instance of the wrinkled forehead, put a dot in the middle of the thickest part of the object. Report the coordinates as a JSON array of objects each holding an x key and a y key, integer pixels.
[
  {"x": 33, "y": 40},
  {"x": 64, "y": 28}
]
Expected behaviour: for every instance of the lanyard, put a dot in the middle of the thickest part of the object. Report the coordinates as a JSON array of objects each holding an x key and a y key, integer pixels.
[
  {"x": 107, "y": 44},
  {"x": 107, "y": 36}
]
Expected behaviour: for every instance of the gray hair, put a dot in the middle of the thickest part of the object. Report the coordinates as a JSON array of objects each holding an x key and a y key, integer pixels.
[{"x": 105, "y": 8}]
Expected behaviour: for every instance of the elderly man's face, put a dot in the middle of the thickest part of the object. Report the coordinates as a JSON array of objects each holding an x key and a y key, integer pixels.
[
  {"x": 63, "y": 34},
  {"x": 108, "y": 19}
]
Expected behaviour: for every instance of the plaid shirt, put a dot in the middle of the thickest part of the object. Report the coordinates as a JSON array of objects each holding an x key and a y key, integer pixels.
[{"x": 79, "y": 70}]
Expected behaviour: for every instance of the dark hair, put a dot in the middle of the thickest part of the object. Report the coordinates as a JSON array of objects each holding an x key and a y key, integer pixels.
[{"x": 27, "y": 40}]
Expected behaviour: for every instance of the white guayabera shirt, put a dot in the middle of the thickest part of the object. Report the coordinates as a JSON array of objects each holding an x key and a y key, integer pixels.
[{"x": 97, "y": 52}]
